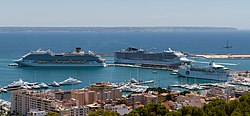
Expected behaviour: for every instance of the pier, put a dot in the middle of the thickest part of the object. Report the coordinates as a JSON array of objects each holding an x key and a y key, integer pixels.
[
  {"x": 208, "y": 56},
  {"x": 144, "y": 66},
  {"x": 222, "y": 56}
]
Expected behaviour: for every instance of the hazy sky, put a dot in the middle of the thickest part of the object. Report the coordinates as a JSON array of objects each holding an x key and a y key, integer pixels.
[{"x": 230, "y": 13}]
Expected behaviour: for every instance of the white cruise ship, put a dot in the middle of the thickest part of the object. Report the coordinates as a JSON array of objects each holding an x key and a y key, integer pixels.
[
  {"x": 212, "y": 72},
  {"x": 168, "y": 58},
  {"x": 49, "y": 58}
]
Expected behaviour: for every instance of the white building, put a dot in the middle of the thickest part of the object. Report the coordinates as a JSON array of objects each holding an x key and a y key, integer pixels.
[
  {"x": 107, "y": 107},
  {"x": 79, "y": 111},
  {"x": 36, "y": 112},
  {"x": 121, "y": 109}
]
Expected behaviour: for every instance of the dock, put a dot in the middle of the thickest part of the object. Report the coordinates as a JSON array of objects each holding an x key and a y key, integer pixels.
[
  {"x": 143, "y": 66},
  {"x": 222, "y": 56}
]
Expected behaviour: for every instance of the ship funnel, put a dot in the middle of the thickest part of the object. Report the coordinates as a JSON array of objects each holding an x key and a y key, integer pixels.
[{"x": 78, "y": 50}]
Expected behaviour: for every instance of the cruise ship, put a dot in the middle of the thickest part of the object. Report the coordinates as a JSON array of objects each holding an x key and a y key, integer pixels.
[
  {"x": 211, "y": 72},
  {"x": 48, "y": 58},
  {"x": 136, "y": 56}
]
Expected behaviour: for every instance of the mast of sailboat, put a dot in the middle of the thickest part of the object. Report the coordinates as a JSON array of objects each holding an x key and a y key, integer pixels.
[
  {"x": 227, "y": 45},
  {"x": 35, "y": 75}
]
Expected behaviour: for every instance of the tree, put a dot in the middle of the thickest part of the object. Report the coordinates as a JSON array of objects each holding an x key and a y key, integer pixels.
[
  {"x": 191, "y": 111},
  {"x": 232, "y": 106},
  {"x": 216, "y": 107},
  {"x": 235, "y": 113},
  {"x": 159, "y": 90},
  {"x": 123, "y": 101},
  {"x": 103, "y": 113},
  {"x": 184, "y": 92},
  {"x": 52, "y": 114},
  {"x": 174, "y": 113},
  {"x": 149, "y": 110}
]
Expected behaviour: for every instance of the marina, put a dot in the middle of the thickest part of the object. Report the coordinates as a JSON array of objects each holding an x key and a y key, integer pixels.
[
  {"x": 20, "y": 84},
  {"x": 132, "y": 85}
]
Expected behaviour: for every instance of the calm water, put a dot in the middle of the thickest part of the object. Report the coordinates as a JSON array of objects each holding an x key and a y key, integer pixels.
[{"x": 14, "y": 45}]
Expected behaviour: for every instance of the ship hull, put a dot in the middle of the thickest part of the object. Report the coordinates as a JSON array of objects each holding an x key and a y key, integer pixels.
[
  {"x": 204, "y": 75},
  {"x": 30, "y": 64},
  {"x": 148, "y": 62}
]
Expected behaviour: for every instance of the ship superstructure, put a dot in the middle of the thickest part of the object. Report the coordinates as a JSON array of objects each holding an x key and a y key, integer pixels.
[
  {"x": 49, "y": 58},
  {"x": 168, "y": 58}
]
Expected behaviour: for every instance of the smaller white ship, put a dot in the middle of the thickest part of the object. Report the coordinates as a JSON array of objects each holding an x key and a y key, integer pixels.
[
  {"x": 212, "y": 72},
  {"x": 70, "y": 81}
]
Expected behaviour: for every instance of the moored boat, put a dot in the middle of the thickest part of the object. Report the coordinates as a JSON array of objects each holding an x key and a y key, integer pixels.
[
  {"x": 70, "y": 81},
  {"x": 212, "y": 72},
  {"x": 54, "y": 84},
  {"x": 167, "y": 58},
  {"x": 48, "y": 58}
]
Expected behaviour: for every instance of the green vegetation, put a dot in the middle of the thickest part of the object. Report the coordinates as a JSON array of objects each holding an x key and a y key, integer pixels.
[
  {"x": 103, "y": 113},
  {"x": 149, "y": 110},
  {"x": 159, "y": 90},
  {"x": 218, "y": 107}
]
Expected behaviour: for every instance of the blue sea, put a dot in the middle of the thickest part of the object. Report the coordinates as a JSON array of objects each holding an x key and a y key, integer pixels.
[{"x": 14, "y": 45}]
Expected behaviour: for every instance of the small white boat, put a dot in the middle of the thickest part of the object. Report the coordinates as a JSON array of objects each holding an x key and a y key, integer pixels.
[
  {"x": 70, "y": 81},
  {"x": 17, "y": 84},
  {"x": 25, "y": 87},
  {"x": 13, "y": 64},
  {"x": 35, "y": 87},
  {"x": 114, "y": 85},
  {"x": 174, "y": 72},
  {"x": 43, "y": 85},
  {"x": 133, "y": 80},
  {"x": 3, "y": 90},
  {"x": 176, "y": 85},
  {"x": 154, "y": 72},
  {"x": 55, "y": 84}
]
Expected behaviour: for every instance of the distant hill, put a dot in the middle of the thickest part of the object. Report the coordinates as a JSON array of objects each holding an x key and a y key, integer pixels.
[{"x": 112, "y": 29}]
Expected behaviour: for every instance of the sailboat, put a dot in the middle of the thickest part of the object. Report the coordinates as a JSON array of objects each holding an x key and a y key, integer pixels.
[{"x": 227, "y": 45}]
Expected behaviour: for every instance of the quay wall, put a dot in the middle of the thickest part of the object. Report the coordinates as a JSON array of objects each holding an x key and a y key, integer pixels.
[{"x": 222, "y": 56}]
